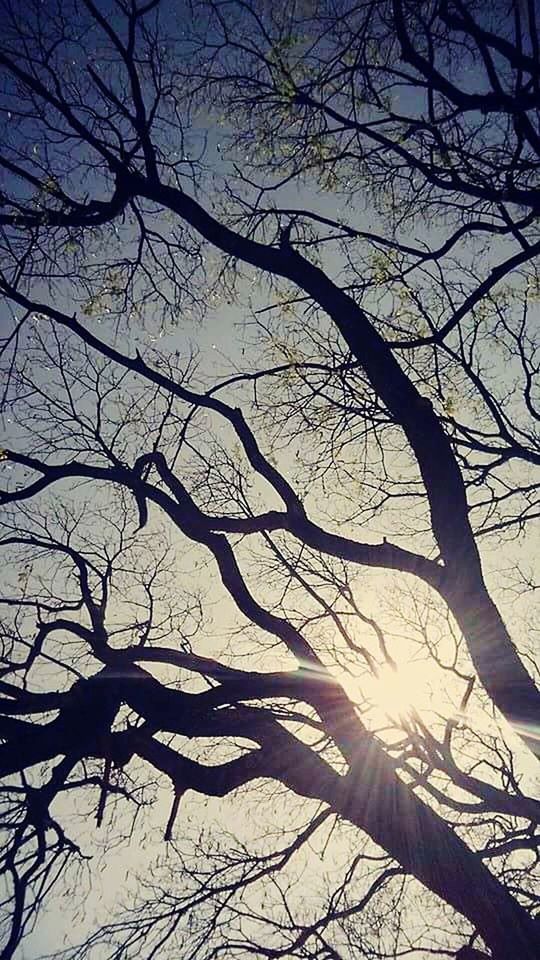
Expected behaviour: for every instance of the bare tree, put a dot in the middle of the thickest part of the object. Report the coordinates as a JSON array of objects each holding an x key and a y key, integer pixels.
[{"x": 384, "y": 385}]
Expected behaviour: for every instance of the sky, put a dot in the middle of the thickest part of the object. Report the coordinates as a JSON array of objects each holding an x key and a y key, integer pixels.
[{"x": 227, "y": 340}]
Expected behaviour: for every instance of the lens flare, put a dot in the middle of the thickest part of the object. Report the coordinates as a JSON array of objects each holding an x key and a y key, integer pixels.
[{"x": 397, "y": 692}]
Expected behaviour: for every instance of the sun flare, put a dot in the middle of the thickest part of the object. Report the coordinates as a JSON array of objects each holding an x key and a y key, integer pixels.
[{"x": 396, "y": 692}]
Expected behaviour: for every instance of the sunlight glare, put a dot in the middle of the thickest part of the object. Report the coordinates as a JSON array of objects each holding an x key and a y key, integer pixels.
[{"x": 396, "y": 692}]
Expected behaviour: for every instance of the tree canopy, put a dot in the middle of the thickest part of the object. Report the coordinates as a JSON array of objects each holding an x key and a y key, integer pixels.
[{"x": 269, "y": 483}]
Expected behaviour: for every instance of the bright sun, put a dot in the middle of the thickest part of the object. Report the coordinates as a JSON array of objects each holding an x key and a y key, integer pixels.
[{"x": 396, "y": 692}]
